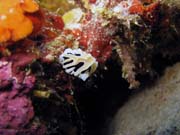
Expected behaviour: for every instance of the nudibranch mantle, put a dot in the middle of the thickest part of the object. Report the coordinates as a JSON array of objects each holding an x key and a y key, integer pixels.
[{"x": 78, "y": 63}]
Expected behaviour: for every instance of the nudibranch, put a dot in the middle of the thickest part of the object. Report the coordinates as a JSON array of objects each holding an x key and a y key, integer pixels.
[
  {"x": 78, "y": 63},
  {"x": 14, "y": 23}
]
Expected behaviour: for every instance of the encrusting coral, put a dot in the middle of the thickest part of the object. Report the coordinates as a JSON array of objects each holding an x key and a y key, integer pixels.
[{"x": 16, "y": 109}]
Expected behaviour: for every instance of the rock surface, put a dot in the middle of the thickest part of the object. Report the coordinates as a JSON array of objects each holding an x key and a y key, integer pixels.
[{"x": 153, "y": 111}]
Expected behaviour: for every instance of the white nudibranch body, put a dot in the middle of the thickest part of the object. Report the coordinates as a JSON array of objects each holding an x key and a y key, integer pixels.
[{"x": 78, "y": 63}]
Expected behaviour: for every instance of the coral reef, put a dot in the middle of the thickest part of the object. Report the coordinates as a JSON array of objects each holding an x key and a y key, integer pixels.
[{"x": 43, "y": 55}]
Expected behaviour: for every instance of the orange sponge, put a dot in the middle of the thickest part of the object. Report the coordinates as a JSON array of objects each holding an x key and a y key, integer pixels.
[{"x": 14, "y": 24}]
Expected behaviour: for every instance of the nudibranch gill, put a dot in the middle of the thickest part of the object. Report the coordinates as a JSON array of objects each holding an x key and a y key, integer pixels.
[{"x": 14, "y": 23}]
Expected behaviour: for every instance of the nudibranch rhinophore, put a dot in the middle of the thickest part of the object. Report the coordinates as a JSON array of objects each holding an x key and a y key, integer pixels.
[
  {"x": 14, "y": 24},
  {"x": 78, "y": 63}
]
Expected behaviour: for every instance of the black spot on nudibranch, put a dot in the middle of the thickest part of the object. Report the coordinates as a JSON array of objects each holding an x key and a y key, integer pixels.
[
  {"x": 65, "y": 58},
  {"x": 78, "y": 66},
  {"x": 68, "y": 62},
  {"x": 77, "y": 54}
]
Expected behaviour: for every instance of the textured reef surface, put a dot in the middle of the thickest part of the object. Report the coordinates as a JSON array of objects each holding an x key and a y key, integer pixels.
[{"x": 51, "y": 50}]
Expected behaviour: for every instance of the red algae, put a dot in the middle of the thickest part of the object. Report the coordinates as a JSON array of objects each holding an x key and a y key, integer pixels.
[{"x": 95, "y": 39}]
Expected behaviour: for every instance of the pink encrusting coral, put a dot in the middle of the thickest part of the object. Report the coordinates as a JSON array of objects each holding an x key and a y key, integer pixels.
[
  {"x": 11, "y": 75},
  {"x": 15, "y": 108},
  {"x": 5, "y": 73},
  {"x": 34, "y": 130},
  {"x": 16, "y": 112}
]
